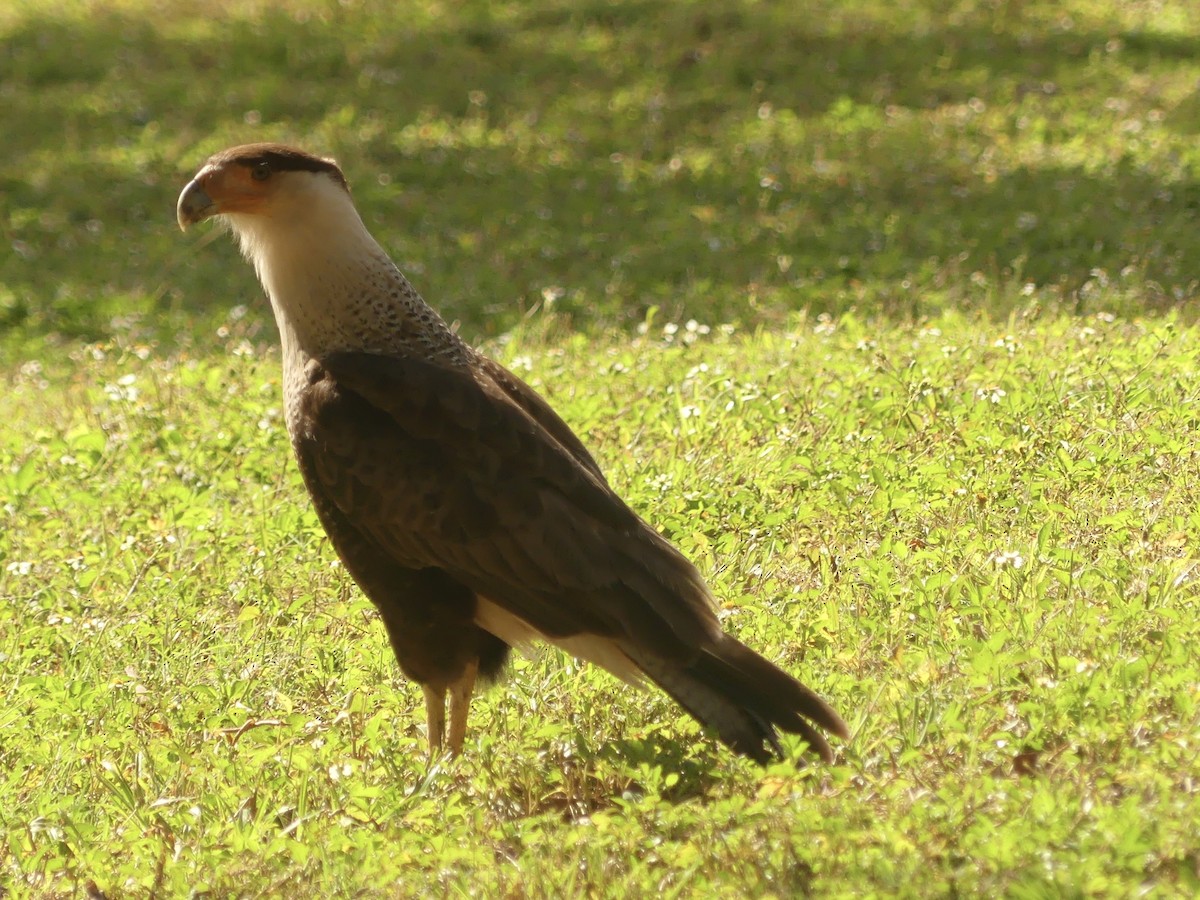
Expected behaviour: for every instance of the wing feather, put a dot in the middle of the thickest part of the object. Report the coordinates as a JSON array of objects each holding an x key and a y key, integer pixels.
[{"x": 446, "y": 468}]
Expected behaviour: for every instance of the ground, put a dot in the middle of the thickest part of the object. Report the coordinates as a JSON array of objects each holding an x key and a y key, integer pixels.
[{"x": 883, "y": 312}]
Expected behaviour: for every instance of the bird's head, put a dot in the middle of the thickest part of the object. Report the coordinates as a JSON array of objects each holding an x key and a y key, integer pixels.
[
  {"x": 258, "y": 182},
  {"x": 291, "y": 212}
]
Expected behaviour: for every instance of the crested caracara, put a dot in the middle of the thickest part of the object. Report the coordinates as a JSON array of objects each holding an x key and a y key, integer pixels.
[{"x": 463, "y": 506}]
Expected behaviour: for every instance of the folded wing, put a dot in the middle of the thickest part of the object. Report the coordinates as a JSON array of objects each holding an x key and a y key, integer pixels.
[{"x": 470, "y": 472}]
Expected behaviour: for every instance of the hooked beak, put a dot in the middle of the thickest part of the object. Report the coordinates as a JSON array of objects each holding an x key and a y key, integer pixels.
[{"x": 194, "y": 204}]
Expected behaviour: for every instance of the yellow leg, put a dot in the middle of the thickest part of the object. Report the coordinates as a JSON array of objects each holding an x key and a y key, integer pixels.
[
  {"x": 435, "y": 719},
  {"x": 460, "y": 707}
]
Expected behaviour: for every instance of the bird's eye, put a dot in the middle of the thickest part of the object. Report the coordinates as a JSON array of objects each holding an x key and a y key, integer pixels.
[{"x": 261, "y": 171}]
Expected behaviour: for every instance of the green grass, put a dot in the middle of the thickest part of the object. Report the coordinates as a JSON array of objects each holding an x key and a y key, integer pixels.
[
  {"x": 727, "y": 161},
  {"x": 976, "y": 539},
  {"x": 930, "y": 434}
]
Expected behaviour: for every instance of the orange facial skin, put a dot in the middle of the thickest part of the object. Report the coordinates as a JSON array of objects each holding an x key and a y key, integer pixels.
[{"x": 224, "y": 187}]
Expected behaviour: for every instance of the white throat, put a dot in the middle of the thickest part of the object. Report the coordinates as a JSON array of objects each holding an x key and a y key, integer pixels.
[
  {"x": 332, "y": 287},
  {"x": 319, "y": 265}
]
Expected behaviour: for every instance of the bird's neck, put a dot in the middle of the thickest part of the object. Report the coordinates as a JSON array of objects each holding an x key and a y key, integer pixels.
[{"x": 333, "y": 288}]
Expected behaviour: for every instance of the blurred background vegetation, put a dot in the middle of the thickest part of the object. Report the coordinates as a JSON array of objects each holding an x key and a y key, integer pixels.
[{"x": 727, "y": 161}]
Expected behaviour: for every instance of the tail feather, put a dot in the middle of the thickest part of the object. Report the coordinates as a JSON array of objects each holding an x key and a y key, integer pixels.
[{"x": 744, "y": 698}]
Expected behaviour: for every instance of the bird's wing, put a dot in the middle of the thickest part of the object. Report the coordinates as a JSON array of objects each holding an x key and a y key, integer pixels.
[
  {"x": 445, "y": 468},
  {"x": 541, "y": 412}
]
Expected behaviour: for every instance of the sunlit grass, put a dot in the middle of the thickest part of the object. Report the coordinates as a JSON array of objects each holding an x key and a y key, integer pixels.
[{"x": 977, "y": 538}]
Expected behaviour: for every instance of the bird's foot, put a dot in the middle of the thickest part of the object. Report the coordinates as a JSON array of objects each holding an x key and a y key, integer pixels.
[
  {"x": 435, "y": 719},
  {"x": 460, "y": 706}
]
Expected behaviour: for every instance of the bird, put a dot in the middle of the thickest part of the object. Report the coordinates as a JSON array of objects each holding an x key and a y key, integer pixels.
[{"x": 458, "y": 500}]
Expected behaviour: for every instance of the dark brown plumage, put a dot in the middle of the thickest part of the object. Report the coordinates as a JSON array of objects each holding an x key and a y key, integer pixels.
[{"x": 459, "y": 501}]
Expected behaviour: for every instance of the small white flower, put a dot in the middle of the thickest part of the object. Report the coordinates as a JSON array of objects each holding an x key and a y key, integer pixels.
[
  {"x": 663, "y": 482},
  {"x": 124, "y": 389},
  {"x": 1008, "y": 559}
]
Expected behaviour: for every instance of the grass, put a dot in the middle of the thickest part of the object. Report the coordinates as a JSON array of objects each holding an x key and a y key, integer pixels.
[
  {"x": 882, "y": 312},
  {"x": 1002, "y": 602},
  {"x": 723, "y": 161}
]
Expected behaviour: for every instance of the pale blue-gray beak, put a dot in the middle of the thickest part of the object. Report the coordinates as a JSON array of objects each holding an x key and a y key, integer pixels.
[{"x": 194, "y": 205}]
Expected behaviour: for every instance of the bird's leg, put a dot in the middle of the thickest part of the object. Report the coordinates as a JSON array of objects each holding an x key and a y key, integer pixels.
[
  {"x": 435, "y": 718},
  {"x": 460, "y": 706}
]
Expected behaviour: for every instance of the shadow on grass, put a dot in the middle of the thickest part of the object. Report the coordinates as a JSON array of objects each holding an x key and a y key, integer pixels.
[{"x": 722, "y": 162}]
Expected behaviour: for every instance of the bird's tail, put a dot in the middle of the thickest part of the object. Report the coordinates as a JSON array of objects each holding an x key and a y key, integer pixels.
[{"x": 743, "y": 698}]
